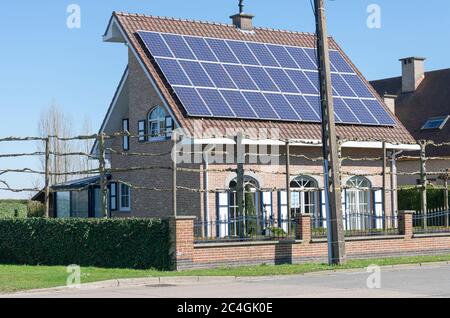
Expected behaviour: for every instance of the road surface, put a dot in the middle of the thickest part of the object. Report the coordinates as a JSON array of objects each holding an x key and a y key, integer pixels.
[{"x": 406, "y": 281}]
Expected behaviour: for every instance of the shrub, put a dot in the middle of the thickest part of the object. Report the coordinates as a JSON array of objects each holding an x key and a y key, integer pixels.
[
  {"x": 409, "y": 199},
  {"x": 112, "y": 243},
  {"x": 35, "y": 209}
]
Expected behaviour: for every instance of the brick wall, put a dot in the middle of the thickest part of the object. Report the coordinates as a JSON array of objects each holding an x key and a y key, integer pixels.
[{"x": 209, "y": 255}]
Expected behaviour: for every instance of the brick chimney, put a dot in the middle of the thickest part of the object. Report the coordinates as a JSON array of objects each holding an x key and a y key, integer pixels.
[
  {"x": 242, "y": 20},
  {"x": 413, "y": 73},
  {"x": 389, "y": 100}
]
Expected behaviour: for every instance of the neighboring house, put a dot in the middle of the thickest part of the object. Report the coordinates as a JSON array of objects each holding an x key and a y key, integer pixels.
[
  {"x": 258, "y": 79},
  {"x": 421, "y": 100}
]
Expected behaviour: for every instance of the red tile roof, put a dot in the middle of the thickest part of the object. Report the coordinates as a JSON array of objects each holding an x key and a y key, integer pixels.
[{"x": 131, "y": 23}]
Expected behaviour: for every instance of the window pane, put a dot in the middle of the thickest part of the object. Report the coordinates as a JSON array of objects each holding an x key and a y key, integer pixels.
[{"x": 63, "y": 204}]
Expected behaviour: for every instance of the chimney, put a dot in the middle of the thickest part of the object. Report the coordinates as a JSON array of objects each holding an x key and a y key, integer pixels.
[
  {"x": 413, "y": 73},
  {"x": 242, "y": 20},
  {"x": 389, "y": 100}
]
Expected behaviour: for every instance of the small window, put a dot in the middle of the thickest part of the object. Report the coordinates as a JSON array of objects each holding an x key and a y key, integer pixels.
[
  {"x": 436, "y": 123},
  {"x": 157, "y": 123},
  {"x": 142, "y": 131},
  {"x": 113, "y": 196},
  {"x": 125, "y": 138},
  {"x": 125, "y": 205}
]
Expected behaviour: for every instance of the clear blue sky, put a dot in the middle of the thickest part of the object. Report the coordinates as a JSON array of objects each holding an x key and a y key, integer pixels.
[{"x": 42, "y": 60}]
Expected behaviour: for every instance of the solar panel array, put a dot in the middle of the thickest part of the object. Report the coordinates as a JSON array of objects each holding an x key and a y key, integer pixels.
[{"x": 248, "y": 80}]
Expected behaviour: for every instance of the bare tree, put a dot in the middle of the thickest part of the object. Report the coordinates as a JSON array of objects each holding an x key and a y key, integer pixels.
[
  {"x": 54, "y": 122},
  {"x": 86, "y": 163}
]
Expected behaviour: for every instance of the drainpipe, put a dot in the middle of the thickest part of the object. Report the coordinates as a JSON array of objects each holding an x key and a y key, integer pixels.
[
  {"x": 206, "y": 217},
  {"x": 394, "y": 200}
]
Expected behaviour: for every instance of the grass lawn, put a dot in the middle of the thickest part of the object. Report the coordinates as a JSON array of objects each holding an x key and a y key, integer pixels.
[
  {"x": 8, "y": 207},
  {"x": 16, "y": 278}
]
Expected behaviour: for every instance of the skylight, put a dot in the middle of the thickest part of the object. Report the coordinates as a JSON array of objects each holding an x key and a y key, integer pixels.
[{"x": 436, "y": 123}]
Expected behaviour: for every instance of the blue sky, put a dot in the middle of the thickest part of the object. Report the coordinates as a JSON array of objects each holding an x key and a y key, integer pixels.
[{"x": 41, "y": 60}]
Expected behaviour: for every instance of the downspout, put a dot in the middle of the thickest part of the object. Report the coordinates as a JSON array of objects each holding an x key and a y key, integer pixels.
[
  {"x": 206, "y": 217},
  {"x": 394, "y": 197}
]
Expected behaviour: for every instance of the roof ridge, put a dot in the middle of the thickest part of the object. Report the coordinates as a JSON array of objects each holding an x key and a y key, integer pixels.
[{"x": 141, "y": 15}]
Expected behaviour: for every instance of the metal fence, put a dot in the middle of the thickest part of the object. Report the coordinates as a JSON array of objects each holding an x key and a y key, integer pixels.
[{"x": 432, "y": 222}]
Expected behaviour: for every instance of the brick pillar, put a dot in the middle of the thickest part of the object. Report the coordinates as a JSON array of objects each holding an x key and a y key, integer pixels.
[
  {"x": 303, "y": 228},
  {"x": 405, "y": 223},
  {"x": 182, "y": 240}
]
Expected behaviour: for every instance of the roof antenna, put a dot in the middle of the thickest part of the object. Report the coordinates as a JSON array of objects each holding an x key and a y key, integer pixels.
[{"x": 241, "y": 6}]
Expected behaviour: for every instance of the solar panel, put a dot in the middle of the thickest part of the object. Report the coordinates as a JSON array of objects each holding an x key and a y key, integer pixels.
[
  {"x": 218, "y": 75},
  {"x": 239, "y": 104},
  {"x": 301, "y": 58},
  {"x": 282, "y": 55},
  {"x": 263, "y": 54},
  {"x": 240, "y": 77},
  {"x": 260, "y": 77},
  {"x": 196, "y": 73},
  {"x": 283, "y": 82},
  {"x": 302, "y": 108},
  {"x": 281, "y": 105},
  {"x": 200, "y": 49},
  {"x": 339, "y": 63},
  {"x": 249, "y": 80},
  {"x": 378, "y": 111},
  {"x": 242, "y": 52},
  {"x": 173, "y": 72},
  {"x": 345, "y": 114},
  {"x": 178, "y": 46},
  {"x": 222, "y": 51},
  {"x": 215, "y": 102},
  {"x": 260, "y": 105},
  {"x": 361, "y": 111},
  {"x": 192, "y": 101}
]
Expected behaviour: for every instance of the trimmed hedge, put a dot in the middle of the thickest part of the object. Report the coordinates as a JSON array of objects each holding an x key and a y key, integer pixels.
[
  {"x": 112, "y": 243},
  {"x": 409, "y": 199}
]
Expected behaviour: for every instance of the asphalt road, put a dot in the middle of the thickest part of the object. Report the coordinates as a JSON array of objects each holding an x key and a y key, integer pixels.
[{"x": 407, "y": 281}]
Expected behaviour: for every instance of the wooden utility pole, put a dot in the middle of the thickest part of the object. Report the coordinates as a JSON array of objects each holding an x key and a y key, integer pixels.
[
  {"x": 174, "y": 174},
  {"x": 103, "y": 180},
  {"x": 47, "y": 177},
  {"x": 384, "y": 156},
  {"x": 240, "y": 183},
  {"x": 423, "y": 182},
  {"x": 336, "y": 240}
]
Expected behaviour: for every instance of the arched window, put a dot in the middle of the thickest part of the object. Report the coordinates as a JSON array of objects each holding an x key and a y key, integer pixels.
[
  {"x": 304, "y": 202},
  {"x": 247, "y": 221},
  {"x": 357, "y": 197},
  {"x": 157, "y": 122}
]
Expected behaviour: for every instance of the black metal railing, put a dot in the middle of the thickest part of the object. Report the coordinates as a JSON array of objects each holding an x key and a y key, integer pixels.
[
  {"x": 432, "y": 222},
  {"x": 358, "y": 224},
  {"x": 249, "y": 228}
]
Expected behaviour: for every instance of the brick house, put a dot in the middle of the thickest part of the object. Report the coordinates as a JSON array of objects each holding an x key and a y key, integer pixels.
[
  {"x": 150, "y": 106},
  {"x": 422, "y": 103}
]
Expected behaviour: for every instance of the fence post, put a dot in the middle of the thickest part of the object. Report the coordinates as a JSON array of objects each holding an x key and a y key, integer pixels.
[
  {"x": 303, "y": 228},
  {"x": 47, "y": 177},
  {"x": 182, "y": 241},
  {"x": 405, "y": 223},
  {"x": 423, "y": 181},
  {"x": 103, "y": 181}
]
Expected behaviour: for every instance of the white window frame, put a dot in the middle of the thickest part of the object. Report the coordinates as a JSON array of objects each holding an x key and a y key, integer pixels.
[
  {"x": 125, "y": 138},
  {"x": 113, "y": 194},
  {"x": 159, "y": 123},
  {"x": 121, "y": 195}
]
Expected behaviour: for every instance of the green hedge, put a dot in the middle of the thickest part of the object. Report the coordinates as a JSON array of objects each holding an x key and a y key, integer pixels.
[
  {"x": 113, "y": 243},
  {"x": 409, "y": 199}
]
